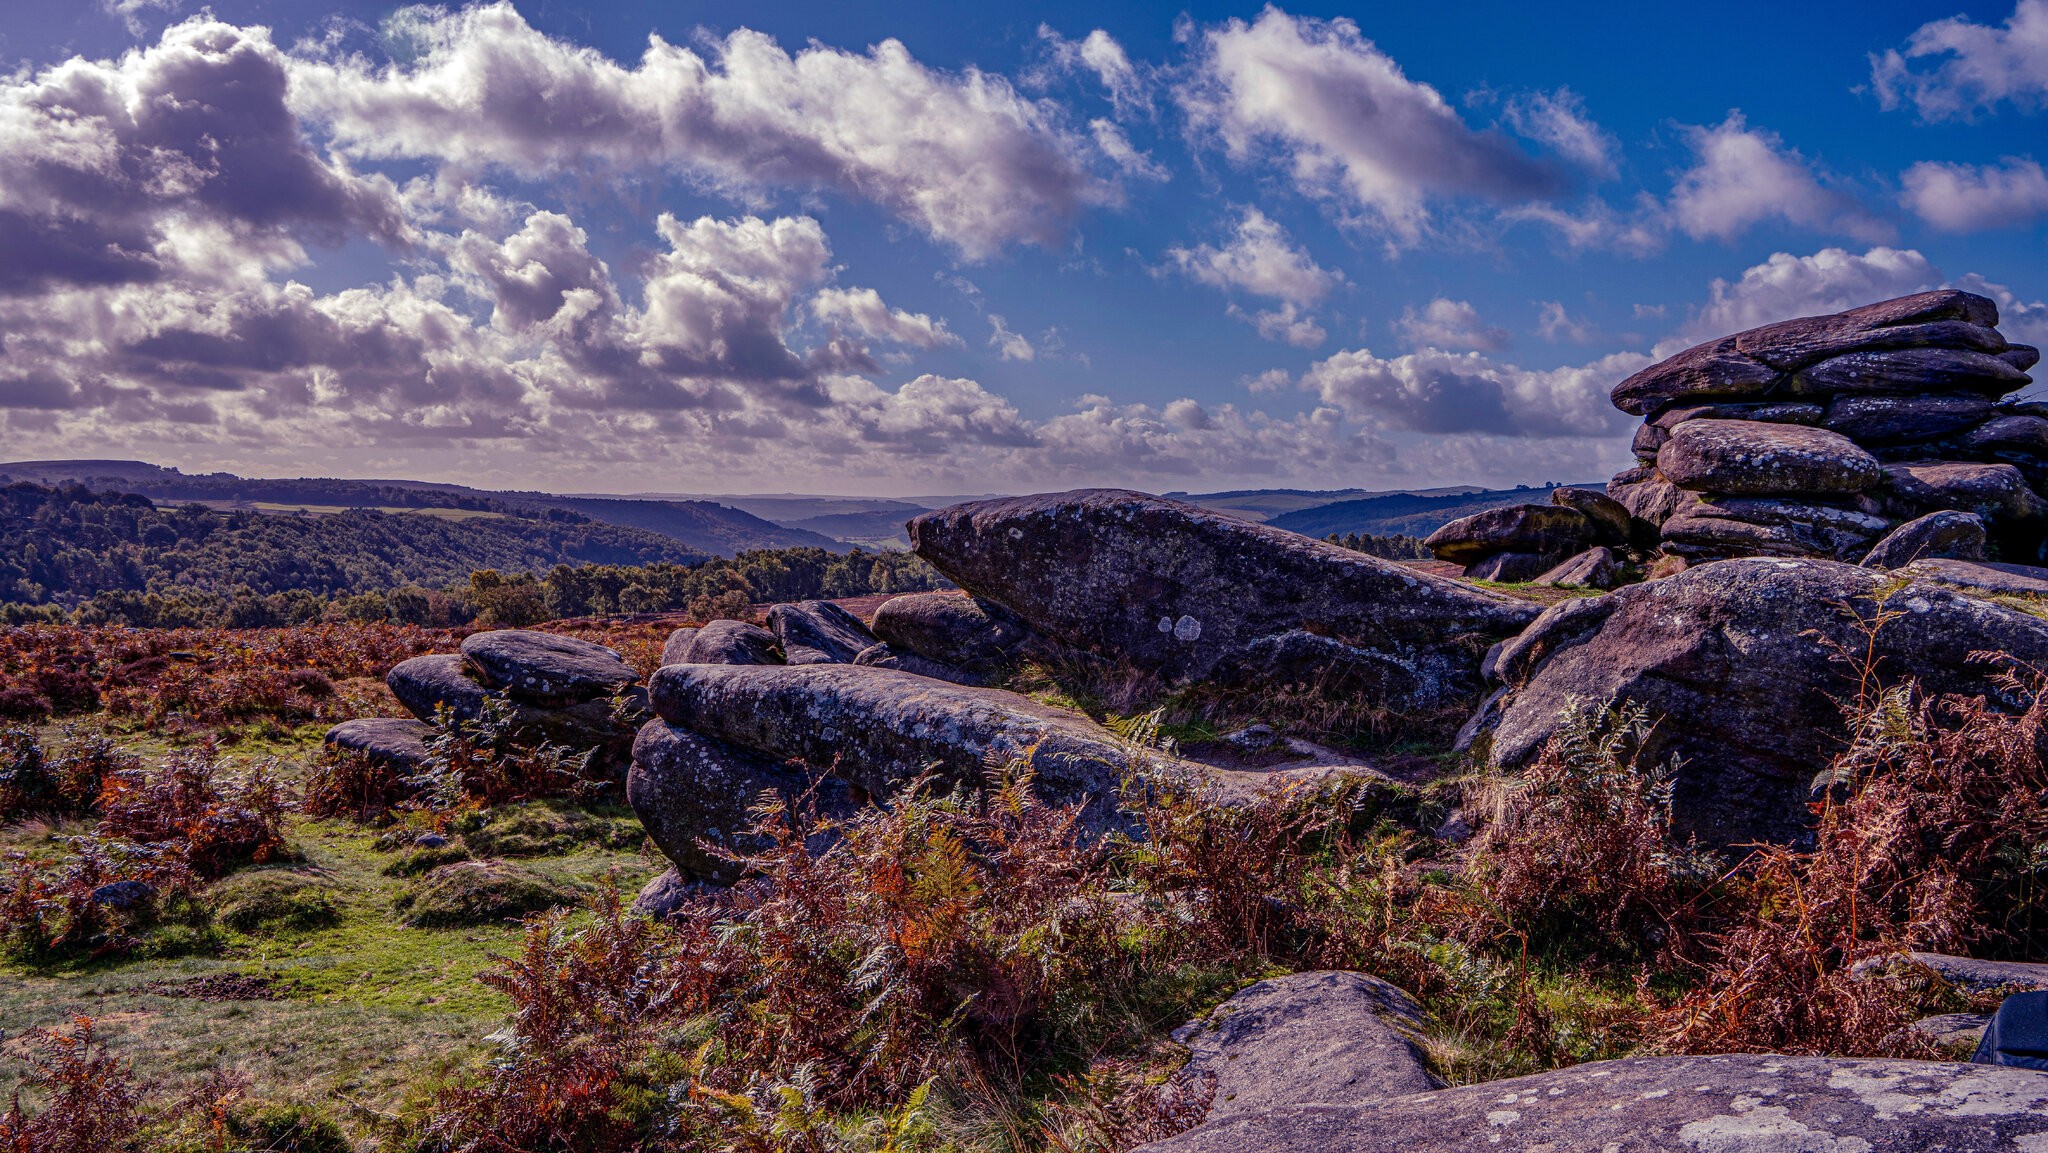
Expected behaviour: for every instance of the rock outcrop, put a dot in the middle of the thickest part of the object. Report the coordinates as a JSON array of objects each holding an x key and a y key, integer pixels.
[
  {"x": 1816, "y": 437},
  {"x": 949, "y": 629},
  {"x": 1328, "y": 1038},
  {"x": 1735, "y": 659},
  {"x": 1191, "y": 594},
  {"x": 1728, "y": 1104},
  {"x": 726, "y": 643},
  {"x": 1526, "y": 542},
  {"x": 397, "y": 743},
  {"x": 818, "y": 633},
  {"x": 694, "y": 794}
]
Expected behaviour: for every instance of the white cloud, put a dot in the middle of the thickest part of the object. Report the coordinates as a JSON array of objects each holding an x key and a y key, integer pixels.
[
  {"x": 1786, "y": 286},
  {"x": 1599, "y": 226},
  {"x": 863, "y": 309},
  {"x": 1012, "y": 345},
  {"x": 1261, "y": 259},
  {"x": 1744, "y": 176},
  {"x": 1286, "y": 323},
  {"x": 1969, "y": 198},
  {"x": 1555, "y": 323},
  {"x": 1099, "y": 53},
  {"x": 1559, "y": 120},
  {"x": 1954, "y": 67},
  {"x": 1449, "y": 324},
  {"x": 1349, "y": 124},
  {"x": 2022, "y": 321},
  {"x": 1115, "y": 145},
  {"x": 963, "y": 157},
  {"x": 1435, "y": 391}
]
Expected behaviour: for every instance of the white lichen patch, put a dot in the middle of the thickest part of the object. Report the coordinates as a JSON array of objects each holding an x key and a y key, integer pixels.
[{"x": 1765, "y": 1129}]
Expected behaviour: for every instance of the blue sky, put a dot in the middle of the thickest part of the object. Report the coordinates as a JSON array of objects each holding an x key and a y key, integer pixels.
[{"x": 910, "y": 248}]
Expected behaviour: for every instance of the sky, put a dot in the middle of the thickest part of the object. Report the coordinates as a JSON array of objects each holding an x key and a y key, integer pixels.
[{"x": 886, "y": 249}]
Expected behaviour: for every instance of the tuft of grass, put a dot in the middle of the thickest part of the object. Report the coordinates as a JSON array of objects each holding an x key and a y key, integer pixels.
[
  {"x": 478, "y": 893},
  {"x": 264, "y": 899}
]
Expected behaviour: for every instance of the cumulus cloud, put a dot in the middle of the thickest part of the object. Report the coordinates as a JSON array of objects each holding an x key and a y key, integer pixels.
[
  {"x": 1436, "y": 391},
  {"x": 1786, "y": 286},
  {"x": 1598, "y": 226},
  {"x": 1449, "y": 324},
  {"x": 1554, "y": 323},
  {"x": 1971, "y": 198},
  {"x": 1261, "y": 259},
  {"x": 1559, "y": 121},
  {"x": 1010, "y": 345},
  {"x": 963, "y": 157},
  {"x": 1122, "y": 153},
  {"x": 1955, "y": 67},
  {"x": 863, "y": 310},
  {"x": 1743, "y": 176},
  {"x": 2021, "y": 320},
  {"x": 1348, "y": 122},
  {"x": 1100, "y": 54},
  {"x": 1287, "y": 324}
]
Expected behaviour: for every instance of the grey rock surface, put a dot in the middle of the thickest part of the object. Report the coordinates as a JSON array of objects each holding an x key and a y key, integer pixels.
[
  {"x": 1547, "y": 529},
  {"x": 546, "y": 669},
  {"x": 885, "y": 656},
  {"x": 1981, "y": 576},
  {"x": 1979, "y": 976},
  {"x": 1995, "y": 492},
  {"x": 1959, "y": 535},
  {"x": 729, "y": 643},
  {"x": 1953, "y": 1030},
  {"x": 1773, "y": 412},
  {"x": 1753, "y": 458},
  {"x": 693, "y": 795},
  {"x": 951, "y": 629},
  {"x": 396, "y": 742},
  {"x": 1724, "y": 1104},
  {"x": 1881, "y": 419},
  {"x": 1331, "y": 1038},
  {"x": 1712, "y": 527},
  {"x": 678, "y": 643},
  {"x": 1184, "y": 592},
  {"x": 1511, "y": 567},
  {"x": 818, "y": 632},
  {"x": 1731, "y": 653},
  {"x": 1596, "y": 568},
  {"x": 1612, "y": 523},
  {"x": 666, "y": 895},
  {"x": 423, "y": 683}
]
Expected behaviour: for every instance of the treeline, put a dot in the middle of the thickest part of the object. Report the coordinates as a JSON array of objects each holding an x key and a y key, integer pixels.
[
  {"x": 1394, "y": 547},
  {"x": 69, "y": 554}
]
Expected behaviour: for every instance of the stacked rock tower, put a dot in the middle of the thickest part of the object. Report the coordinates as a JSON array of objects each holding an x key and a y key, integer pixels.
[{"x": 1820, "y": 436}]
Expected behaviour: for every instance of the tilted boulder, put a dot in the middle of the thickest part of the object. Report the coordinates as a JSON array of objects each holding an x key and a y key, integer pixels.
[
  {"x": 427, "y": 683},
  {"x": 1707, "y": 527},
  {"x": 1327, "y": 1038},
  {"x": 728, "y": 643},
  {"x": 885, "y": 656},
  {"x": 1995, "y": 492},
  {"x": 1596, "y": 568},
  {"x": 951, "y": 629},
  {"x": 1511, "y": 567},
  {"x": 398, "y": 743},
  {"x": 1760, "y": 1103},
  {"x": 1735, "y": 658},
  {"x": 1538, "y": 529},
  {"x": 1753, "y": 458},
  {"x": 818, "y": 632},
  {"x": 678, "y": 643},
  {"x": 1612, "y": 523},
  {"x": 1185, "y": 592},
  {"x": 694, "y": 794},
  {"x": 546, "y": 669},
  {"x": 1959, "y": 535},
  {"x": 1912, "y": 344}
]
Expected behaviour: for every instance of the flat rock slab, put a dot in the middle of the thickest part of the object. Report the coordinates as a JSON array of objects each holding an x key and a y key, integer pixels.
[
  {"x": 818, "y": 632},
  {"x": 1979, "y": 976},
  {"x": 397, "y": 742},
  {"x": 1985, "y": 577},
  {"x": 1326, "y": 1038},
  {"x": 1996, "y": 492},
  {"x": 547, "y": 669},
  {"x": 1704, "y": 527},
  {"x": 1765, "y": 363},
  {"x": 1522, "y": 528},
  {"x": 1184, "y": 592},
  {"x": 1879, "y": 419},
  {"x": 1726, "y": 1104},
  {"x": 880, "y": 727},
  {"x": 1753, "y": 458},
  {"x": 1728, "y": 658}
]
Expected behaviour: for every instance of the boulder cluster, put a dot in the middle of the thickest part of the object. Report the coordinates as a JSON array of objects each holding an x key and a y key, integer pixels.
[
  {"x": 1581, "y": 538},
  {"x": 1819, "y": 437}
]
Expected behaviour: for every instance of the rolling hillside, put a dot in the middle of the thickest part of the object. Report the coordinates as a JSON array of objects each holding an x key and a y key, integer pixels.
[{"x": 1408, "y": 514}]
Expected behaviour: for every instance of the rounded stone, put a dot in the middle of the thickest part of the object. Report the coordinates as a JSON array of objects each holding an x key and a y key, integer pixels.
[
  {"x": 545, "y": 668},
  {"x": 1753, "y": 458}
]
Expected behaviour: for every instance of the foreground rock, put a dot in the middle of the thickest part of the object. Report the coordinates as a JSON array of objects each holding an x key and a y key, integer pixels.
[
  {"x": 1187, "y": 593},
  {"x": 1954, "y": 535},
  {"x": 1730, "y": 1104},
  {"x": 950, "y": 629},
  {"x": 726, "y": 643},
  {"x": 1330, "y": 1038},
  {"x": 878, "y": 728},
  {"x": 818, "y": 632},
  {"x": 1732, "y": 657},
  {"x": 603, "y": 723},
  {"x": 397, "y": 743},
  {"x": 694, "y": 796},
  {"x": 1751, "y": 458},
  {"x": 1981, "y": 576},
  {"x": 544, "y": 669}
]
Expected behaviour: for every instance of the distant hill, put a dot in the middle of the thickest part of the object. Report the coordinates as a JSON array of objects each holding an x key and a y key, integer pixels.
[
  {"x": 66, "y": 545},
  {"x": 700, "y": 526},
  {"x": 1408, "y": 514}
]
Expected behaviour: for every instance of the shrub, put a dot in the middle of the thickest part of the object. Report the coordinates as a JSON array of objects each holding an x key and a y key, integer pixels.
[
  {"x": 61, "y": 782},
  {"x": 545, "y": 829},
  {"x": 90, "y": 1099},
  {"x": 215, "y": 822}
]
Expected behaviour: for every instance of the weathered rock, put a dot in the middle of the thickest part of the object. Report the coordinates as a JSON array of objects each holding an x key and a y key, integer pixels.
[
  {"x": 1596, "y": 568},
  {"x": 1995, "y": 492},
  {"x": 1881, "y": 419},
  {"x": 1708, "y": 528},
  {"x": 2021, "y": 356},
  {"x": 1734, "y": 654},
  {"x": 546, "y": 669},
  {"x": 678, "y": 643},
  {"x": 1648, "y": 439},
  {"x": 123, "y": 895},
  {"x": 729, "y": 643},
  {"x": 693, "y": 794},
  {"x": 818, "y": 632},
  {"x": 1762, "y": 363},
  {"x": 1327, "y": 1038},
  {"x": 1953, "y": 1030},
  {"x": 1910, "y": 370},
  {"x": 1772, "y": 412},
  {"x": 951, "y": 629},
  {"x": 878, "y": 728},
  {"x": 1612, "y": 523},
  {"x": 1761, "y": 1103},
  {"x": 666, "y": 895},
  {"x": 885, "y": 656},
  {"x": 1978, "y": 976},
  {"x": 398, "y": 743},
  {"x": 1649, "y": 498},
  {"x": 423, "y": 683},
  {"x": 1178, "y": 590},
  {"x": 1938, "y": 534},
  {"x": 1548, "y": 529},
  {"x": 2027, "y": 434},
  {"x": 1984, "y": 577},
  {"x": 1752, "y": 458},
  {"x": 1511, "y": 567}
]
